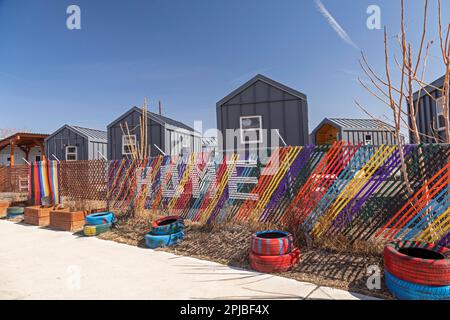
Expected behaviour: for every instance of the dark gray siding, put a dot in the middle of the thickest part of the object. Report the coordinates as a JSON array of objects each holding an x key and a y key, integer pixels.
[
  {"x": 86, "y": 150},
  {"x": 155, "y": 135},
  {"x": 158, "y": 134},
  {"x": 426, "y": 114},
  {"x": 378, "y": 137},
  {"x": 278, "y": 109},
  {"x": 56, "y": 145}
]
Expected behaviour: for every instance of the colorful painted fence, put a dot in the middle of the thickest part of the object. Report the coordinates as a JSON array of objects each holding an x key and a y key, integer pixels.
[{"x": 356, "y": 191}]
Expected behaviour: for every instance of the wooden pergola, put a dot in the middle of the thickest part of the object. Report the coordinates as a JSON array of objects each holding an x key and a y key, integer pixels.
[{"x": 25, "y": 142}]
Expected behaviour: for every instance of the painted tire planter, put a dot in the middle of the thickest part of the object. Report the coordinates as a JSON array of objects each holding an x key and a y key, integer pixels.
[
  {"x": 100, "y": 218},
  {"x": 157, "y": 241},
  {"x": 405, "y": 290},
  {"x": 167, "y": 225},
  {"x": 271, "y": 242},
  {"x": 93, "y": 230},
  {"x": 418, "y": 263},
  {"x": 276, "y": 263},
  {"x": 12, "y": 212}
]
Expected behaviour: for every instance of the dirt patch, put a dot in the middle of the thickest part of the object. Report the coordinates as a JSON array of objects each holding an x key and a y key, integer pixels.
[{"x": 229, "y": 244}]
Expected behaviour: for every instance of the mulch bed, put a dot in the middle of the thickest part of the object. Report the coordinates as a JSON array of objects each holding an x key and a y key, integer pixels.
[{"x": 229, "y": 244}]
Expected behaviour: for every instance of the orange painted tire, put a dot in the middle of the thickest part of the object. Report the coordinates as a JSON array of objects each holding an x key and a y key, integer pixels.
[
  {"x": 418, "y": 262},
  {"x": 269, "y": 264}
]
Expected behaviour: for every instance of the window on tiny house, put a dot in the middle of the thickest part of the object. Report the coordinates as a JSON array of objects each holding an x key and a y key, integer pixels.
[
  {"x": 128, "y": 144},
  {"x": 368, "y": 139},
  {"x": 440, "y": 120},
  {"x": 251, "y": 129},
  {"x": 71, "y": 153}
]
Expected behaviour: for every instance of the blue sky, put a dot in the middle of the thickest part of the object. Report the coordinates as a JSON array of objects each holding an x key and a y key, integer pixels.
[{"x": 186, "y": 53}]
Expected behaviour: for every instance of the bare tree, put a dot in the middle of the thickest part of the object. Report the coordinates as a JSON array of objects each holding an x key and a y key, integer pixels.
[{"x": 397, "y": 92}]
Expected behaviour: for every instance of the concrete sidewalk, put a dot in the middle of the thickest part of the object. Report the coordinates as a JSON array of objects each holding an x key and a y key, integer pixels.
[{"x": 38, "y": 263}]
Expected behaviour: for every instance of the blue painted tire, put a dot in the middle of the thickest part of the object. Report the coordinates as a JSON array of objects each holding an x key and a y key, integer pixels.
[
  {"x": 167, "y": 225},
  {"x": 100, "y": 218},
  {"x": 405, "y": 290},
  {"x": 158, "y": 241},
  {"x": 12, "y": 212}
]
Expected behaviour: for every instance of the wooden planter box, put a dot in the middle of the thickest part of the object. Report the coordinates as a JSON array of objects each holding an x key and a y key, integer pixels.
[
  {"x": 3, "y": 206},
  {"x": 67, "y": 221},
  {"x": 38, "y": 216}
]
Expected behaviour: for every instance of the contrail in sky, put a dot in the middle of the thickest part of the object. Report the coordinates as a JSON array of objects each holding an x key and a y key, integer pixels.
[{"x": 334, "y": 24}]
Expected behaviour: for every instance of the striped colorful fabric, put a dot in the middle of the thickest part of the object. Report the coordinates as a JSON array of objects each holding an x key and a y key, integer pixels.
[{"x": 43, "y": 182}]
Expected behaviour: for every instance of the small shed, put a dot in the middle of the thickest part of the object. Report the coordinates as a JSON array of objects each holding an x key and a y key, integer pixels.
[
  {"x": 262, "y": 113},
  {"x": 365, "y": 131},
  {"x": 72, "y": 143},
  {"x": 430, "y": 114},
  {"x": 164, "y": 135}
]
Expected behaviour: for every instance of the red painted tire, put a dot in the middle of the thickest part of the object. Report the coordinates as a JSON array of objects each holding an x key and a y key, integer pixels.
[
  {"x": 271, "y": 243},
  {"x": 418, "y": 262},
  {"x": 271, "y": 264}
]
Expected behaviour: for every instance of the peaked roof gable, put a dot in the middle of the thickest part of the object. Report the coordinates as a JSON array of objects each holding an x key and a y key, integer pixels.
[
  {"x": 155, "y": 117},
  {"x": 260, "y": 77},
  {"x": 92, "y": 135}
]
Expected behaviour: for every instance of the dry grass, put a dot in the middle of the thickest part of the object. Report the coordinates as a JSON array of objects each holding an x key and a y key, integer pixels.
[
  {"x": 325, "y": 263},
  {"x": 82, "y": 205},
  {"x": 13, "y": 196}
]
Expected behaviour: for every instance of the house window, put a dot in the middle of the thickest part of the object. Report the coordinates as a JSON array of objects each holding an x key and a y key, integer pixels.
[
  {"x": 251, "y": 129},
  {"x": 440, "y": 120},
  {"x": 128, "y": 144},
  {"x": 368, "y": 139},
  {"x": 71, "y": 153}
]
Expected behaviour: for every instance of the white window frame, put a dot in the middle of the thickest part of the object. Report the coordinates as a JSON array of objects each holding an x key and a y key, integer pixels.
[
  {"x": 439, "y": 103},
  {"x": 366, "y": 141},
  {"x": 242, "y": 131},
  {"x": 73, "y": 153},
  {"x": 129, "y": 137}
]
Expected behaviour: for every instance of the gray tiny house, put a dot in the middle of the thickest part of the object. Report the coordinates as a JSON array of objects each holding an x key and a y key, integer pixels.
[
  {"x": 72, "y": 143},
  {"x": 356, "y": 131},
  {"x": 262, "y": 113},
  {"x": 430, "y": 114},
  {"x": 165, "y": 135}
]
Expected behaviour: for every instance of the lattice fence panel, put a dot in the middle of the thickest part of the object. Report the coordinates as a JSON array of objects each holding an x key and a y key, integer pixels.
[
  {"x": 14, "y": 179},
  {"x": 85, "y": 180}
]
